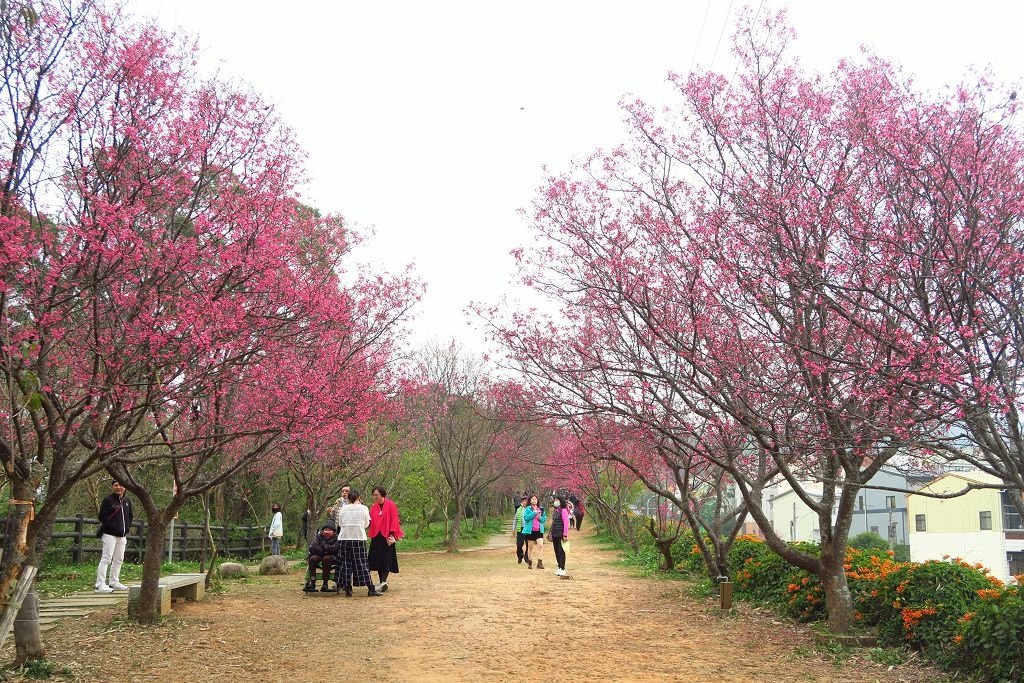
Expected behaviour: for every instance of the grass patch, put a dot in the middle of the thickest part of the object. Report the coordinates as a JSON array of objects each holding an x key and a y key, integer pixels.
[
  {"x": 38, "y": 670},
  {"x": 471, "y": 535},
  {"x": 888, "y": 656}
]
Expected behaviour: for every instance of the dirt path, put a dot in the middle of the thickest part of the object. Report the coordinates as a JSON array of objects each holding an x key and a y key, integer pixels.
[{"x": 477, "y": 616}]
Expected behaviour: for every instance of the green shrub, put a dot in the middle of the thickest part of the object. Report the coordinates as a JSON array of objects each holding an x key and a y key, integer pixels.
[
  {"x": 868, "y": 541},
  {"x": 990, "y": 644},
  {"x": 763, "y": 575},
  {"x": 687, "y": 555}
]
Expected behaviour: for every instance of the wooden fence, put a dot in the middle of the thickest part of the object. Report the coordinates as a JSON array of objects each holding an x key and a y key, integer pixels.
[{"x": 74, "y": 541}]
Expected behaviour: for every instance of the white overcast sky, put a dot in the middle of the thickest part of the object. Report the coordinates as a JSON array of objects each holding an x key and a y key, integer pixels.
[{"x": 431, "y": 121}]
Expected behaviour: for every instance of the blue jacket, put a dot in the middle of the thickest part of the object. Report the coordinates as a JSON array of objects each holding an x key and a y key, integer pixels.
[{"x": 529, "y": 515}]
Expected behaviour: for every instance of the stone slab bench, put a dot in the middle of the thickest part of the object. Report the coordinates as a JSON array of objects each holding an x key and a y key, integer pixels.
[{"x": 186, "y": 586}]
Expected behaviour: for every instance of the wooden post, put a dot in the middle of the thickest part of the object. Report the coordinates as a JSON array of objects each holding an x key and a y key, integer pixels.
[
  {"x": 184, "y": 542},
  {"x": 725, "y": 592},
  {"x": 76, "y": 553},
  {"x": 140, "y": 542}
]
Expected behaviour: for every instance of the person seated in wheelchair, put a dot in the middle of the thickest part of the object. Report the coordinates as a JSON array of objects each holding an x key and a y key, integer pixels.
[{"x": 325, "y": 554}]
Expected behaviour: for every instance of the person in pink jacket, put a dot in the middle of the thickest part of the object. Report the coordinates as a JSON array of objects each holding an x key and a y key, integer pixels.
[
  {"x": 559, "y": 533},
  {"x": 384, "y": 532}
]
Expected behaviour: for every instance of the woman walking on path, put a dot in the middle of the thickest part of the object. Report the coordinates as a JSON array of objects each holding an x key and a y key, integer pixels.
[
  {"x": 578, "y": 512},
  {"x": 384, "y": 532},
  {"x": 560, "y": 533},
  {"x": 276, "y": 530},
  {"x": 519, "y": 531},
  {"x": 534, "y": 519},
  {"x": 355, "y": 519}
]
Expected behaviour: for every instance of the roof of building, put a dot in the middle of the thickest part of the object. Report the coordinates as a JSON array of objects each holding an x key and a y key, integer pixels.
[{"x": 972, "y": 477}]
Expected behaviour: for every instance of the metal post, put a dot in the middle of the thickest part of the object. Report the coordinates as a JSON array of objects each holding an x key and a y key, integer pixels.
[{"x": 170, "y": 543}]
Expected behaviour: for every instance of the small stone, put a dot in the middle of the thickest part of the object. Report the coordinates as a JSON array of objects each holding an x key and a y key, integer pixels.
[{"x": 274, "y": 564}]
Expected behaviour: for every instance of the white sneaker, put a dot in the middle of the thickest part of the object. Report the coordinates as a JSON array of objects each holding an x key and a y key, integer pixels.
[
  {"x": 103, "y": 588},
  {"x": 118, "y": 586},
  {"x": 381, "y": 587}
]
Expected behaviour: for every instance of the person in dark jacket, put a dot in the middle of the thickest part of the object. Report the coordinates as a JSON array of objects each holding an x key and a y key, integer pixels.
[
  {"x": 115, "y": 520},
  {"x": 324, "y": 553}
]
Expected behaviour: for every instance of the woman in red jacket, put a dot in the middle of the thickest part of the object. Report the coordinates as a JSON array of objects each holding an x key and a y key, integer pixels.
[{"x": 384, "y": 532}]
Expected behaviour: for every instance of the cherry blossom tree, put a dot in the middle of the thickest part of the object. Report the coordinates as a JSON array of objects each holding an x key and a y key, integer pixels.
[
  {"x": 697, "y": 272},
  {"x": 954, "y": 278},
  {"x": 165, "y": 298}
]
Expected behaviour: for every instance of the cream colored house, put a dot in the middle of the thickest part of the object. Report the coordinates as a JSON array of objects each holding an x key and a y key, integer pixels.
[{"x": 980, "y": 526}]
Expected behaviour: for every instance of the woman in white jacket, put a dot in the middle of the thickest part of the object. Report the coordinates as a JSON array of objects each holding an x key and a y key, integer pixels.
[
  {"x": 276, "y": 530},
  {"x": 355, "y": 519}
]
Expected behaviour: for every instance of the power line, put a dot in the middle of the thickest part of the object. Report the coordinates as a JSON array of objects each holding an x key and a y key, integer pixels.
[
  {"x": 753, "y": 26},
  {"x": 700, "y": 36},
  {"x": 725, "y": 23}
]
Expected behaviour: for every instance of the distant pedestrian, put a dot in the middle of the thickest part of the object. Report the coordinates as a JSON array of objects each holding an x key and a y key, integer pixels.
[
  {"x": 522, "y": 539},
  {"x": 276, "y": 529},
  {"x": 534, "y": 519},
  {"x": 560, "y": 533},
  {"x": 578, "y": 511},
  {"x": 115, "y": 518},
  {"x": 572, "y": 515},
  {"x": 385, "y": 531},
  {"x": 355, "y": 520},
  {"x": 304, "y": 528}
]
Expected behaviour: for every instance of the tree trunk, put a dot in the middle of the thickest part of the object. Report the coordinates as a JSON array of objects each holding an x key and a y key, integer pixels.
[
  {"x": 28, "y": 639},
  {"x": 453, "y": 537},
  {"x": 16, "y": 560},
  {"x": 665, "y": 548},
  {"x": 218, "y": 503},
  {"x": 145, "y": 610},
  {"x": 838, "y": 599}
]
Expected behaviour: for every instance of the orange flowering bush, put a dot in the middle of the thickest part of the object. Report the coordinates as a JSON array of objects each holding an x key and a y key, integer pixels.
[
  {"x": 925, "y": 605},
  {"x": 990, "y": 643},
  {"x": 952, "y": 610}
]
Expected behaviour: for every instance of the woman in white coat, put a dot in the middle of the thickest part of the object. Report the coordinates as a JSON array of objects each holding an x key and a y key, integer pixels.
[{"x": 276, "y": 530}]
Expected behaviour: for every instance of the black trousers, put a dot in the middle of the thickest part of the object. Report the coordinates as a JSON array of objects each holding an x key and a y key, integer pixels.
[
  {"x": 579, "y": 520},
  {"x": 326, "y": 564},
  {"x": 522, "y": 546},
  {"x": 559, "y": 552}
]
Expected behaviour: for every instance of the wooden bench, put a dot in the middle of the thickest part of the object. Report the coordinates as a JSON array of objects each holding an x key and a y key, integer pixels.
[{"x": 186, "y": 586}]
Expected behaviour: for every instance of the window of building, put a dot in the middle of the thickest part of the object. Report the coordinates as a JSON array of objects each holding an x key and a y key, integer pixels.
[
  {"x": 986, "y": 520},
  {"x": 874, "y": 529},
  {"x": 1016, "y": 561},
  {"x": 1011, "y": 518},
  {"x": 890, "y": 502},
  {"x": 919, "y": 522},
  {"x": 860, "y": 502}
]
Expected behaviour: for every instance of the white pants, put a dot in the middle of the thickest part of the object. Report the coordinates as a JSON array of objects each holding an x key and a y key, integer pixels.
[{"x": 113, "y": 557}]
